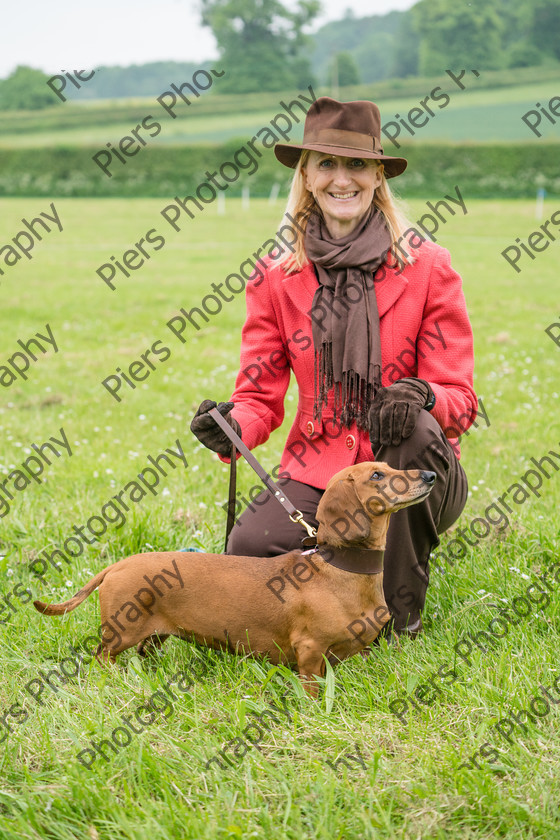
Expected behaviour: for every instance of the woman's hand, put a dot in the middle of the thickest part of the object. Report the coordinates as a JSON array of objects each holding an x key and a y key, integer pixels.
[
  {"x": 394, "y": 411},
  {"x": 207, "y": 430}
]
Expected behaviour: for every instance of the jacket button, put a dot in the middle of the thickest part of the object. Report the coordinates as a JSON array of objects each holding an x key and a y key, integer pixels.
[
  {"x": 310, "y": 428},
  {"x": 350, "y": 441}
]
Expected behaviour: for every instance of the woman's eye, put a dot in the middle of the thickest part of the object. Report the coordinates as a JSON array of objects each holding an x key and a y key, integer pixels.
[
  {"x": 357, "y": 163},
  {"x": 325, "y": 163}
]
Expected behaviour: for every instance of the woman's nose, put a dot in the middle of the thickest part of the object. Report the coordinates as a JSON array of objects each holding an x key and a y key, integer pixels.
[{"x": 341, "y": 175}]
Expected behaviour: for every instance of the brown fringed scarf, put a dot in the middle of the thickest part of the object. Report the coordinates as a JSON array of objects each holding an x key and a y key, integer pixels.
[{"x": 346, "y": 327}]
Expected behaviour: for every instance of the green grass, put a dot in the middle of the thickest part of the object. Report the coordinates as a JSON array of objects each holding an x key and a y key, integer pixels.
[
  {"x": 158, "y": 787},
  {"x": 477, "y": 114}
]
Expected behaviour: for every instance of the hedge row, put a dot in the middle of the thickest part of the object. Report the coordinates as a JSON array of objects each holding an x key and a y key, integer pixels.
[{"x": 482, "y": 170}]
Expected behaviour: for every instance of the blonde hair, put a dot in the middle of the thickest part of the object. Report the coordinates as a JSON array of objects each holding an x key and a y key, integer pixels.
[{"x": 301, "y": 204}]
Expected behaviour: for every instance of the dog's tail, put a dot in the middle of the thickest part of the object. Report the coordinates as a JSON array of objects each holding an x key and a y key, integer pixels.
[{"x": 68, "y": 606}]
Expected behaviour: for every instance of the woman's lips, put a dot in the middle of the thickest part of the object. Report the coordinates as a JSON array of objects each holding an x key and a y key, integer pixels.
[{"x": 343, "y": 196}]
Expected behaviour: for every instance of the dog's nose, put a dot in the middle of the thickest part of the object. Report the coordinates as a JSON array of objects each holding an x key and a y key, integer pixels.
[{"x": 428, "y": 476}]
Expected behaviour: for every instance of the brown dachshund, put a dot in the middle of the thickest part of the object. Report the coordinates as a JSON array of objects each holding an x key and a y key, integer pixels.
[{"x": 296, "y": 608}]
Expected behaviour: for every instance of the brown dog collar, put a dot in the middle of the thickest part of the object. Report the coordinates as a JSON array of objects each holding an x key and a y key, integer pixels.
[{"x": 359, "y": 561}]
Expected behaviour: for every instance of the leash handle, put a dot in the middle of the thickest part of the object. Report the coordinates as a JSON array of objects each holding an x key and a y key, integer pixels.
[
  {"x": 231, "y": 494},
  {"x": 294, "y": 514}
]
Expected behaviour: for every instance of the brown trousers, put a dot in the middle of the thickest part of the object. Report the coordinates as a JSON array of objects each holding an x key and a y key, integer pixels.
[{"x": 265, "y": 530}]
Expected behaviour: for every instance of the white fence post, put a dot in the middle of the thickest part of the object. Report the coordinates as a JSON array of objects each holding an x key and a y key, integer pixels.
[{"x": 274, "y": 193}]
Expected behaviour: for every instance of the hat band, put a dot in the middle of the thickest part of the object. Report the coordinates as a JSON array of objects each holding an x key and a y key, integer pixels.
[{"x": 344, "y": 139}]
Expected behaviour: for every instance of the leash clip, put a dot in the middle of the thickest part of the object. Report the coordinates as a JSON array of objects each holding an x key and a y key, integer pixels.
[
  {"x": 237, "y": 444},
  {"x": 297, "y": 516}
]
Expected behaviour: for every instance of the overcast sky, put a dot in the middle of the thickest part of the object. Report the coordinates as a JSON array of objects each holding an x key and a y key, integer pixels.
[{"x": 73, "y": 35}]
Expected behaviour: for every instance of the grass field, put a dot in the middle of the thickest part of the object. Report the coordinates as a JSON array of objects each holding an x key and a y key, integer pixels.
[
  {"x": 157, "y": 788},
  {"x": 475, "y": 114}
]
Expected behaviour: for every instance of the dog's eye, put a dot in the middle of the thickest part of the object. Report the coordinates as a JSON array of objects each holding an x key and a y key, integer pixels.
[{"x": 375, "y": 476}]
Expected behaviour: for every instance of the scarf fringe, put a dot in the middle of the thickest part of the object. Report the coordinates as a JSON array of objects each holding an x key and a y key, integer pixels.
[{"x": 352, "y": 397}]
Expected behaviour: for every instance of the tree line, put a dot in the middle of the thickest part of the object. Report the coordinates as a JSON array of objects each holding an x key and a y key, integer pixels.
[{"x": 267, "y": 47}]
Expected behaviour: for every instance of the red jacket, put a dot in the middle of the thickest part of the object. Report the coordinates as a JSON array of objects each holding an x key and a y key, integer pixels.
[{"x": 425, "y": 332}]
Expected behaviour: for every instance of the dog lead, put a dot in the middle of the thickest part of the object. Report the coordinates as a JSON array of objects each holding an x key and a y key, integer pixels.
[{"x": 236, "y": 443}]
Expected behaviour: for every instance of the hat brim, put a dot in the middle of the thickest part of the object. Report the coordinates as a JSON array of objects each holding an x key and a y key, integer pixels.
[{"x": 290, "y": 154}]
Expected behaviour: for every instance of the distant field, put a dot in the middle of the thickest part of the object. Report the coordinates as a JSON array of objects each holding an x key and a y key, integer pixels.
[
  {"x": 472, "y": 115},
  {"x": 158, "y": 787}
]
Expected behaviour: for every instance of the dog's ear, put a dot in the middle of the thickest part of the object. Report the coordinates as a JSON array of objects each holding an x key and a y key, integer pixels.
[
  {"x": 373, "y": 494},
  {"x": 341, "y": 515}
]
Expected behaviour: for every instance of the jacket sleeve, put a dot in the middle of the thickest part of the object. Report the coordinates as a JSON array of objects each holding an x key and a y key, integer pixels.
[
  {"x": 449, "y": 369},
  {"x": 264, "y": 372}
]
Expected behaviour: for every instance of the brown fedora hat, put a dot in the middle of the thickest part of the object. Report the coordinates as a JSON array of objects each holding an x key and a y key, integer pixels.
[{"x": 348, "y": 129}]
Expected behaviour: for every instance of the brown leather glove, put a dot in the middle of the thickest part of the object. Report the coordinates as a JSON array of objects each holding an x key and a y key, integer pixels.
[
  {"x": 394, "y": 411},
  {"x": 207, "y": 430}
]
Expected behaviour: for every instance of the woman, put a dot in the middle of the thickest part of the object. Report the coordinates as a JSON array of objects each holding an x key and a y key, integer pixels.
[{"x": 371, "y": 319}]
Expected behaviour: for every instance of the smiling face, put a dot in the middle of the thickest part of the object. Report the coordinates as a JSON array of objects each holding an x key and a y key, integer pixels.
[{"x": 343, "y": 188}]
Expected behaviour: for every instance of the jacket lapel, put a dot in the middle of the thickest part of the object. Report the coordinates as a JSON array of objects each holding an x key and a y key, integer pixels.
[
  {"x": 301, "y": 286},
  {"x": 389, "y": 290}
]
